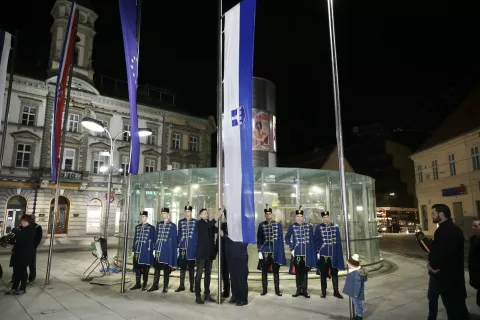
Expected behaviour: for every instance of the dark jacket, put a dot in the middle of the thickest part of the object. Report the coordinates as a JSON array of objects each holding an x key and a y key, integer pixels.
[
  {"x": 206, "y": 249},
  {"x": 24, "y": 248},
  {"x": 38, "y": 235},
  {"x": 474, "y": 261},
  {"x": 224, "y": 228},
  {"x": 446, "y": 255}
]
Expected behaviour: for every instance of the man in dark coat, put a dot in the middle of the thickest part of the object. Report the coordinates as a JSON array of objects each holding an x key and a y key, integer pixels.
[
  {"x": 22, "y": 255},
  {"x": 205, "y": 254},
  {"x": 38, "y": 238},
  {"x": 223, "y": 256},
  {"x": 445, "y": 261},
  {"x": 474, "y": 258},
  {"x": 237, "y": 259}
]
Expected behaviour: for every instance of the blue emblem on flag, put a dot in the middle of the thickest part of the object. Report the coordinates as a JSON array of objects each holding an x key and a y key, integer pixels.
[{"x": 238, "y": 116}]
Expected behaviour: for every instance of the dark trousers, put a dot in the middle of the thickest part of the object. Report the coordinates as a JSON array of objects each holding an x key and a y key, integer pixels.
[
  {"x": 455, "y": 306},
  {"x": 201, "y": 265},
  {"x": 225, "y": 272},
  {"x": 32, "y": 268},
  {"x": 432, "y": 295},
  {"x": 239, "y": 276},
  {"x": 19, "y": 277},
  {"x": 156, "y": 274},
  {"x": 301, "y": 273},
  {"x": 327, "y": 271},
  {"x": 269, "y": 265}
]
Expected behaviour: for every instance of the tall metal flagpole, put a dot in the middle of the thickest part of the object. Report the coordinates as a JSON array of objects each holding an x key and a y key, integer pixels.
[
  {"x": 126, "y": 225},
  {"x": 219, "y": 139},
  {"x": 338, "y": 122},
  {"x": 9, "y": 95},
  {"x": 59, "y": 171}
]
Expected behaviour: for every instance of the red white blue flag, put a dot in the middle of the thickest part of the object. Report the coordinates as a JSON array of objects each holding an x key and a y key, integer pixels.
[
  {"x": 5, "y": 41},
  {"x": 60, "y": 90}
]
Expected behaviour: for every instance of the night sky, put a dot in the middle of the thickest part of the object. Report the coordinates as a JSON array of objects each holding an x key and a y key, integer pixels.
[{"x": 400, "y": 61}]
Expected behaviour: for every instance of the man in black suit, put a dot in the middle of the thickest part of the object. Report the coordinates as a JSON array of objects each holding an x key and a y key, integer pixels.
[
  {"x": 446, "y": 263},
  {"x": 38, "y": 238},
  {"x": 205, "y": 254}
]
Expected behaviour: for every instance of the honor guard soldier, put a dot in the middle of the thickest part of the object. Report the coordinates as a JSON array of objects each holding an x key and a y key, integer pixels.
[
  {"x": 143, "y": 250},
  {"x": 328, "y": 244},
  {"x": 271, "y": 251},
  {"x": 299, "y": 238},
  {"x": 165, "y": 250},
  {"x": 187, "y": 244}
]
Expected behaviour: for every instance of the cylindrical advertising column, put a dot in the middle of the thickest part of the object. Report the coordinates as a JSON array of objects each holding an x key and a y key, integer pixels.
[{"x": 264, "y": 121}]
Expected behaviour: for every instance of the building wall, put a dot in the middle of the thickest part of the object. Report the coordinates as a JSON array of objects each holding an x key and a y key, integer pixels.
[
  {"x": 429, "y": 191},
  {"x": 332, "y": 163},
  {"x": 401, "y": 161}
]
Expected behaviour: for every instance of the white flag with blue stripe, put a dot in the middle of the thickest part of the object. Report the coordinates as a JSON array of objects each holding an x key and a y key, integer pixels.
[
  {"x": 238, "y": 86},
  {"x": 5, "y": 42}
]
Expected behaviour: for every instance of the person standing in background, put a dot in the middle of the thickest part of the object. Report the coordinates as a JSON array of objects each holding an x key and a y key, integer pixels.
[
  {"x": 38, "y": 238},
  {"x": 474, "y": 258},
  {"x": 224, "y": 261}
]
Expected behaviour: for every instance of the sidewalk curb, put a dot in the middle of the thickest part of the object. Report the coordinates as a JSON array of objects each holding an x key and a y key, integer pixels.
[{"x": 57, "y": 249}]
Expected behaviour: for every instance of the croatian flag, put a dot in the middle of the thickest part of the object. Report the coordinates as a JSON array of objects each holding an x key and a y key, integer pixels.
[
  {"x": 61, "y": 88},
  {"x": 128, "y": 16},
  {"x": 5, "y": 42},
  {"x": 238, "y": 86}
]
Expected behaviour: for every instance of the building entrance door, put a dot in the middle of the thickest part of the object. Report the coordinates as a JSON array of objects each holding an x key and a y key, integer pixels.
[
  {"x": 458, "y": 214},
  {"x": 61, "y": 215}
]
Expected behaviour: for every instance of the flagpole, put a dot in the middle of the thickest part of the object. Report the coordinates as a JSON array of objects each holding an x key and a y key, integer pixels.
[
  {"x": 219, "y": 140},
  {"x": 59, "y": 171},
  {"x": 338, "y": 123},
  {"x": 9, "y": 95}
]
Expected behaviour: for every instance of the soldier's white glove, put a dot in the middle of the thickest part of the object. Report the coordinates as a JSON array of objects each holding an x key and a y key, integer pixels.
[
  {"x": 153, "y": 252},
  {"x": 293, "y": 254},
  {"x": 178, "y": 252},
  {"x": 260, "y": 256},
  {"x": 318, "y": 256}
]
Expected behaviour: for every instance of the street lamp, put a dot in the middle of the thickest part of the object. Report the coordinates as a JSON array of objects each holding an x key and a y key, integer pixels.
[{"x": 97, "y": 126}]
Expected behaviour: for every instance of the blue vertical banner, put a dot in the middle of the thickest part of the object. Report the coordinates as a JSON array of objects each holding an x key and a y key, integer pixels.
[
  {"x": 128, "y": 16},
  {"x": 238, "y": 94},
  {"x": 5, "y": 43}
]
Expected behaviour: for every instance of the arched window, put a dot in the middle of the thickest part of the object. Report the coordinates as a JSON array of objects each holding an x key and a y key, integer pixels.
[
  {"x": 94, "y": 216},
  {"x": 61, "y": 215}
]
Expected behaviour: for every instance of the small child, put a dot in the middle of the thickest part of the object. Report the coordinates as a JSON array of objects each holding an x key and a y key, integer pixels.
[{"x": 355, "y": 285}]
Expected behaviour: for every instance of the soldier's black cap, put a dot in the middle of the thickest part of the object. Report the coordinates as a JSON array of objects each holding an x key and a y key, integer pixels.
[
  {"x": 165, "y": 210},
  {"x": 144, "y": 213},
  {"x": 325, "y": 214},
  {"x": 189, "y": 208}
]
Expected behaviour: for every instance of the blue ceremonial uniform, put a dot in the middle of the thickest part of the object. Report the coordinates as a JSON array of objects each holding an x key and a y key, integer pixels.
[
  {"x": 328, "y": 245},
  {"x": 143, "y": 245},
  {"x": 166, "y": 244},
  {"x": 187, "y": 234},
  {"x": 299, "y": 238},
  {"x": 270, "y": 240}
]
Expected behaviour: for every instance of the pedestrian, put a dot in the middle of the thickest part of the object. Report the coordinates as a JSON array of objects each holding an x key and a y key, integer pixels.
[
  {"x": 205, "y": 254},
  {"x": 432, "y": 294},
  {"x": 474, "y": 258},
  {"x": 355, "y": 285},
  {"x": 32, "y": 268},
  {"x": 22, "y": 256},
  {"x": 446, "y": 262}
]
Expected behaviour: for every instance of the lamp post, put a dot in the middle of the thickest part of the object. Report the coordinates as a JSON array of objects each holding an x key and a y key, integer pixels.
[{"x": 97, "y": 126}]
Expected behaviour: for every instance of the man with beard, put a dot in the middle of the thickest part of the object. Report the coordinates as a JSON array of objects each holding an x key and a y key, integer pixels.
[
  {"x": 187, "y": 243},
  {"x": 445, "y": 261}
]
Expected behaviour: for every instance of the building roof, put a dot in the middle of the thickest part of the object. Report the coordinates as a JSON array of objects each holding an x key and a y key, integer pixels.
[
  {"x": 465, "y": 118},
  {"x": 313, "y": 159}
]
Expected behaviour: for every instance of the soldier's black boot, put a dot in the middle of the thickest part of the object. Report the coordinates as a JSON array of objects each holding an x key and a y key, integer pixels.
[
  {"x": 166, "y": 280},
  {"x": 156, "y": 279},
  {"x": 298, "y": 280},
  {"x": 276, "y": 282},
  {"x": 305, "y": 286},
  {"x": 191, "y": 278},
  {"x": 137, "y": 283},
  {"x": 336, "y": 293},
  {"x": 182, "y": 281},
  {"x": 145, "y": 279},
  {"x": 323, "y": 284},
  {"x": 264, "y": 283}
]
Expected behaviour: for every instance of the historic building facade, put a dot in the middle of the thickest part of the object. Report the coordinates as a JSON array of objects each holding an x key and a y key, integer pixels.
[{"x": 178, "y": 141}]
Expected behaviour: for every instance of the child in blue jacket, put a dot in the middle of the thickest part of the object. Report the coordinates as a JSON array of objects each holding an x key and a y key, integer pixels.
[{"x": 355, "y": 285}]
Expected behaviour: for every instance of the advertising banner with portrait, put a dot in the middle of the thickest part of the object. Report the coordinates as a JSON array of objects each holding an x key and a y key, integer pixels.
[{"x": 261, "y": 131}]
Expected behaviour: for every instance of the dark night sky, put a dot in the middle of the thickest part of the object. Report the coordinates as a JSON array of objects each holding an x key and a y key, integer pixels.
[{"x": 398, "y": 60}]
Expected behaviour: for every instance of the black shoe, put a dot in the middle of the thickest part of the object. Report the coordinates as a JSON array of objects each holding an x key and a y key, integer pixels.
[
  {"x": 241, "y": 303},
  {"x": 233, "y": 300},
  {"x": 337, "y": 295},
  {"x": 153, "y": 288},
  {"x": 144, "y": 287},
  {"x": 208, "y": 298},
  {"x": 264, "y": 292},
  {"x": 199, "y": 300},
  {"x": 19, "y": 292},
  {"x": 136, "y": 286},
  {"x": 278, "y": 293},
  {"x": 296, "y": 294},
  {"x": 323, "y": 295},
  {"x": 192, "y": 289},
  {"x": 9, "y": 292},
  {"x": 180, "y": 289},
  {"x": 226, "y": 294},
  {"x": 165, "y": 290},
  {"x": 306, "y": 295}
]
